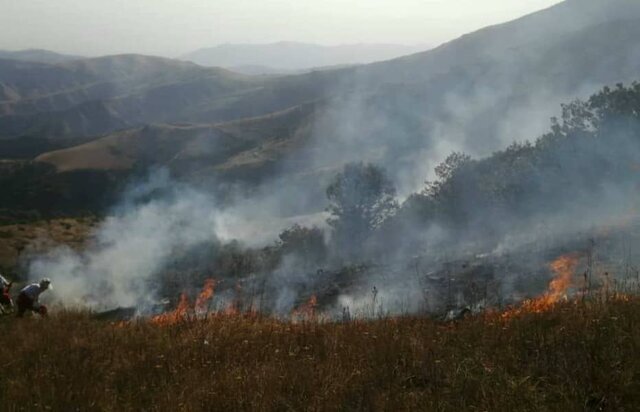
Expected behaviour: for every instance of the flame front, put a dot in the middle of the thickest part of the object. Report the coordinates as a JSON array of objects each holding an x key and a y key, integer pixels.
[
  {"x": 175, "y": 316},
  {"x": 306, "y": 310},
  {"x": 564, "y": 267},
  {"x": 205, "y": 296},
  {"x": 183, "y": 310}
]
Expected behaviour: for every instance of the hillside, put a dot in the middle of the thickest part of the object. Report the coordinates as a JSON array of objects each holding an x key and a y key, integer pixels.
[
  {"x": 475, "y": 94},
  {"x": 85, "y": 97},
  {"x": 531, "y": 54},
  {"x": 220, "y": 147},
  {"x": 509, "y": 42},
  {"x": 18, "y": 241},
  {"x": 502, "y": 83},
  {"x": 37, "y": 55},
  {"x": 286, "y": 57},
  {"x": 29, "y": 80}
]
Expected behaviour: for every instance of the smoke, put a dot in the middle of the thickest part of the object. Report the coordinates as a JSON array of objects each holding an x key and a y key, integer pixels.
[
  {"x": 476, "y": 95},
  {"x": 159, "y": 222},
  {"x": 131, "y": 246},
  {"x": 159, "y": 219}
]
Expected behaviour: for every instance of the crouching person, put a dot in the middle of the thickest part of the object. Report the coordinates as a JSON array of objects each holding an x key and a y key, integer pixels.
[{"x": 29, "y": 295}]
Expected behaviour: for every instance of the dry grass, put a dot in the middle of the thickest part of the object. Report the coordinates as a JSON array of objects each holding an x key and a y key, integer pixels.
[
  {"x": 575, "y": 357},
  {"x": 39, "y": 236}
]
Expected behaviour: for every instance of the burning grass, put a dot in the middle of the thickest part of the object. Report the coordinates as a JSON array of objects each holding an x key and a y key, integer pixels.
[
  {"x": 183, "y": 310},
  {"x": 574, "y": 356},
  {"x": 564, "y": 269}
]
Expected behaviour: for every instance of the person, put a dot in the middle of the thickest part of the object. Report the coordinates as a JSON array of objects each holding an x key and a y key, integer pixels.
[
  {"x": 29, "y": 295},
  {"x": 5, "y": 297}
]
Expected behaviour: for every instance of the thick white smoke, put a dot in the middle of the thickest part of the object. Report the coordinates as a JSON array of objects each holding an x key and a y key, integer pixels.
[{"x": 130, "y": 247}]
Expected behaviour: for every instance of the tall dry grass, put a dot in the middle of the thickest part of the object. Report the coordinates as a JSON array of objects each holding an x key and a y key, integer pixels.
[{"x": 576, "y": 357}]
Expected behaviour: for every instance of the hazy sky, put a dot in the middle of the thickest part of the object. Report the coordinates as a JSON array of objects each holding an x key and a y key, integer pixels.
[{"x": 173, "y": 27}]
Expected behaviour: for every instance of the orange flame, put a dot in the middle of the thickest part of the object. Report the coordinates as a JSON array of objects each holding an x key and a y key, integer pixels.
[
  {"x": 181, "y": 312},
  {"x": 175, "y": 316},
  {"x": 306, "y": 310},
  {"x": 205, "y": 296},
  {"x": 564, "y": 267}
]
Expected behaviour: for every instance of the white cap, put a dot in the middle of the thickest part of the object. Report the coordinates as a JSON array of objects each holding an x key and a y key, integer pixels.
[{"x": 46, "y": 282}]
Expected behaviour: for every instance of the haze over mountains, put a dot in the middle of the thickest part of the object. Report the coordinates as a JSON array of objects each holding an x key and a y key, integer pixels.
[
  {"x": 476, "y": 94},
  {"x": 288, "y": 57},
  {"x": 37, "y": 55}
]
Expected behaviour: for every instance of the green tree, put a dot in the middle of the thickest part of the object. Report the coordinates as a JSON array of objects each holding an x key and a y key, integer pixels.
[
  {"x": 361, "y": 198},
  {"x": 307, "y": 243}
]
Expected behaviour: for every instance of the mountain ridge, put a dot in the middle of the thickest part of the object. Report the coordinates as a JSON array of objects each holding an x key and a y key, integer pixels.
[
  {"x": 37, "y": 56},
  {"x": 476, "y": 94},
  {"x": 296, "y": 56}
]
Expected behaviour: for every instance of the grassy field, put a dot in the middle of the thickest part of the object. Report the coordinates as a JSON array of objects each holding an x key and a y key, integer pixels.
[{"x": 575, "y": 357}]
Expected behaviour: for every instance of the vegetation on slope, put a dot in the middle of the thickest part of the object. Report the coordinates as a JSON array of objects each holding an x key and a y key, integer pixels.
[
  {"x": 18, "y": 241},
  {"x": 31, "y": 191},
  {"x": 584, "y": 168}
]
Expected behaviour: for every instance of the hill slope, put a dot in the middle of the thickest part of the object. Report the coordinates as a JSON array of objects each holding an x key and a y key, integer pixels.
[
  {"x": 292, "y": 56},
  {"x": 251, "y": 143},
  {"x": 37, "y": 55},
  {"x": 39, "y": 99},
  {"x": 476, "y": 93},
  {"x": 546, "y": 52}
]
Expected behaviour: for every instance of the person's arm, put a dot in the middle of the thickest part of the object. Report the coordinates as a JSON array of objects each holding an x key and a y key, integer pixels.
[{"x": 36, "y": 301}]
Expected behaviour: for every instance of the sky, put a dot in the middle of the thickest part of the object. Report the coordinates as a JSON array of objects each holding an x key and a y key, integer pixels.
[{"x": 174, "y": 27}]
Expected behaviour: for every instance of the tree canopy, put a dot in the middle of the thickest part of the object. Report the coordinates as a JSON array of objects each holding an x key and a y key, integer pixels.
[{"x": 361, "y": 198}]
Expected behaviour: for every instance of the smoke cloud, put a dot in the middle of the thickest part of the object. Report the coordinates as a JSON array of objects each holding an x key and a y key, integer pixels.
[
  {"x": 131, "y": 246},
  {"x": 405, "y": 117}
]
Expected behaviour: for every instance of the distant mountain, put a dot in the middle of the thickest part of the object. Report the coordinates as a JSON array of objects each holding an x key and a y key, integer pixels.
[
  {"x": 93, "y": 96},
  {"x": 96, "y": 96},
  {"x": 271, "y": 71},
  {"x": 37, "y": 55},
  {"x": 35, "y": 87},
  {"x": 286, "y": 57},
  {"x": 256, "y": 70},
  {"x": 476, "y": 94},
  {"x": 470, "y": 90}
]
